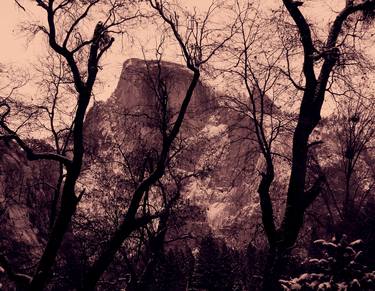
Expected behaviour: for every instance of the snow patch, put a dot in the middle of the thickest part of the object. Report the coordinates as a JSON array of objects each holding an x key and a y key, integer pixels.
[
  {"x": 216, "y": 214},
  {"x": 211, "y": 130}
]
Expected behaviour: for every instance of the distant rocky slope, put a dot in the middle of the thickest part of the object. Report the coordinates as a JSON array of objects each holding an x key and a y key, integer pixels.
[
  {"x": 25, "y": 195},
  {"x": 215, "y": 142},
  {"x": 216, "y": 148},
  {"x": 213, "y": 138}
]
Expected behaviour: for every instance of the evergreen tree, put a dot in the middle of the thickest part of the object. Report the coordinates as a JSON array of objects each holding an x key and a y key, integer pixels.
[{"x": 213, "y": 267}]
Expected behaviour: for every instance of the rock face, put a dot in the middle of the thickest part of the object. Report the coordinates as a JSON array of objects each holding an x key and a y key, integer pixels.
[
  {"x": 213, "y": 140},
  {"x": 217, "y": 143},
  {"x": 138, "y": 82},
  {"x": 134, "y": 105},
  {"x": 215, "y": 149},
  {"x": 25, "y": 193}
]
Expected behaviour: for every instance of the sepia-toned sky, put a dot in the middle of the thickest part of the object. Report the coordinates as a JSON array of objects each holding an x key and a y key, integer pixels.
[
  {"x": 22, "y": 52},
  {"x": 16, "y": 50}
]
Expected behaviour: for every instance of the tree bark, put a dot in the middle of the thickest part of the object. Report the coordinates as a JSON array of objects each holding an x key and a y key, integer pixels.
[
  {"x": 129, "y": 222},
  {"x": 298, "y": 199},
  {"x": 273, "y": 269}
]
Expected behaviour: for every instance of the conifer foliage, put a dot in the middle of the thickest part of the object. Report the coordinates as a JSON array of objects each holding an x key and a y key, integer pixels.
[{"x": 213, "y": 268}]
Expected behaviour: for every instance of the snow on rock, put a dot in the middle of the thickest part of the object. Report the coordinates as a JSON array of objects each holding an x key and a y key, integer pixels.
[
  {"x": 224, "y": 187},
  {"x": 216, "y": 214}
]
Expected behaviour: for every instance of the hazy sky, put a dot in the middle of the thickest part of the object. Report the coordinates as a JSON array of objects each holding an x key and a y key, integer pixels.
[
  {"x": 16, "y": 51},
  {"x": 14, "y": 48}
]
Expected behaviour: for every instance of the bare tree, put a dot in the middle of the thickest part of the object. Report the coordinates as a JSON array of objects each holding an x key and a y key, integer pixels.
[
  {"x": 81, "y": 55},
  {"x": 355, "y": 138},
  {"x": 349, "y": 176},
  {"x": 197, "y": 49},
  {"x": 262, "y": 71}
]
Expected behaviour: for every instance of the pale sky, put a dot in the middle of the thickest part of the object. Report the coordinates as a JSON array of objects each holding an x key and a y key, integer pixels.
[{"x": 17, "y": 52}]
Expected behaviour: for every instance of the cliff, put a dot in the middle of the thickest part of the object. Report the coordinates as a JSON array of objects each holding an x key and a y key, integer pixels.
[
  {"x": 25, "y": 196},
  {"x": 213, "y": 140}
]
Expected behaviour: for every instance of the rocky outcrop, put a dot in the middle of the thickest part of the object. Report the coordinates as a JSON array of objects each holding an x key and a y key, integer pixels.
[
  {"x": 214, "y": 140},
  {"x": 25, "y": 194}
]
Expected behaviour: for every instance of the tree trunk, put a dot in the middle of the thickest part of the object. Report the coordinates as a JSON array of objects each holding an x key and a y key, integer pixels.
[
  {"x": 273, "y": 269},
  {"x": 106, "y": 258},
  {"x": 44, "y": 269}
]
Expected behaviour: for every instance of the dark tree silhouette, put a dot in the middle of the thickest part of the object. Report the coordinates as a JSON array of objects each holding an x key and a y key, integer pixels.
[
  {"x": 197, "y": 49},
  {"x": 82, "y": 57},
  {"x": 260, "y": 70}
]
